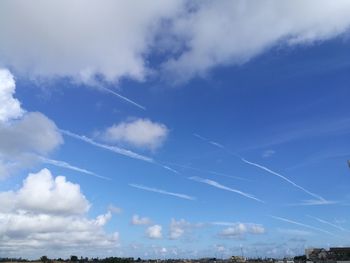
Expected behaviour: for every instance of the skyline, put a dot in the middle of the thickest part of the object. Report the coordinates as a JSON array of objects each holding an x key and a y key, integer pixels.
[{"x": 173, "y": 129}]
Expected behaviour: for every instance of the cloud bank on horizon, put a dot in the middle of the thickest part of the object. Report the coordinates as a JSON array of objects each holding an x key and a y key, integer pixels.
[{"x": 113, "y": 40}]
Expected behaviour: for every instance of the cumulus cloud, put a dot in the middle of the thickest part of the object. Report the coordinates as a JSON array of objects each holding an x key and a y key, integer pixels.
[
  {"x": 200, "y": 35},
  {"x": 49, "y": 213},
  {"x": 22, "y": 139},
  {"x": 137, "y": 220},
  {"x": 32, "y": 133},
  {"x": 109, "y": 38},
  {"x": 22, "y": 134},
  {"x": 154, "y": 232},
  {"x": 142, "y": 133},
  {"x": 178, "y": 228},
  {"x": 10, "y": 107},
  {"x": 239, "y": 229},
  {"x": 232, "y": 32}
]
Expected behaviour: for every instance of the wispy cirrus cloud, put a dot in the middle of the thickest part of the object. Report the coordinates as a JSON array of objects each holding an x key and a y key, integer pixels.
[
  {"x": 164, "y": 192},
  {"x": 268, "y": 153},
  {"x": 294, "y": 232},
  {"x": 223, "y": 187}
]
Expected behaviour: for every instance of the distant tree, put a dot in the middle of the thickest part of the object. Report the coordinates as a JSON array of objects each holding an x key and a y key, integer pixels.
[
  {"x": 74, "y": 258},
  {"x": 44, "y": 259}
]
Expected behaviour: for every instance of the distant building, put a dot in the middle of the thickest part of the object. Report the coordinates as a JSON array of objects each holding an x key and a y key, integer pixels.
[
  {"x": 316, "y": 254},
  {"x": 340, "y": 253},
  {"x": 238, "y": 259}
]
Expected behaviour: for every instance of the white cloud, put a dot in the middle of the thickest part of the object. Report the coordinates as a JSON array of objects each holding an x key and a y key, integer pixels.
[
  {"x": 115, "y": 209},
  {"x": 142, "y": 133},
  {"x": 49, "y": 214},
  {"x": 115, "y": 39},
  {"x": 137, "y": 220},
  {"x": 10, "y": 108},
  {"x": 178, "y": 228},
  {"x": 22, "y": 139},
  {"x": 110, "y": 38},
  {"x": 240, "y": 229},
  {"x": 154, "y": 232},
  {"x": 42, "y": 193},
  {"x": 22, "y": 134},
  {"x": 232, "y": 32},
  {"x": 32, "y": 133}
]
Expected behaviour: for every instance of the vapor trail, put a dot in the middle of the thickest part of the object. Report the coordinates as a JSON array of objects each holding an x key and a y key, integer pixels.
[
  {"x": 303, "y": 225},
  {"x": 114, "y": 149},
  {"x": 160, "y": 191},
  {"x": 328, "y": 223},
  {"x": 118, "y": 150},
  {"x": 284, "y": 178},
  {"x": 263, "y": 168},
  {"x": 71, "y": 167},
  {"x": 223, "y": 187},
  {"x": 210, "y": 172},
  {"x": 124, "y": 98}
]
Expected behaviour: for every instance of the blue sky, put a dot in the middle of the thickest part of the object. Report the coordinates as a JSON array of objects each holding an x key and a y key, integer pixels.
[{"x": 207, "y": 152}]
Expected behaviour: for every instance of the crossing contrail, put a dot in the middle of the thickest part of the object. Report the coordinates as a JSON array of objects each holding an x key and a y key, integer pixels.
[
  {"x": 283, "y": 178},
  {"x": 210, "y": 172},
  {"x": 328, "y": 223},
  {"x": 223, "y": 187},
  {"x": 264, "y": 168},
  {"x": 301, "y": 224}
]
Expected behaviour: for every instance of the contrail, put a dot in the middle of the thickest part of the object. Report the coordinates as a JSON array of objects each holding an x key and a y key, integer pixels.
[
  {"x": 117, "y": 150},
  {"x": 301, "y": 224},
  {"x": 263, "y": 168},
  {"x": 169, "y": 168},
  {"x": 284, "y": 178},
  {"x": 209, "y": 141},
  {"x": 124, "y": 98},
  {"x": 223, "y": 187},
  {"x": 114, "y": 149},
  {"x": 71, "y": 167},
  {"x": 328, "y": 223},
  {"x": 210, "y": 172},
  {"x": 159, "y": 191}
]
